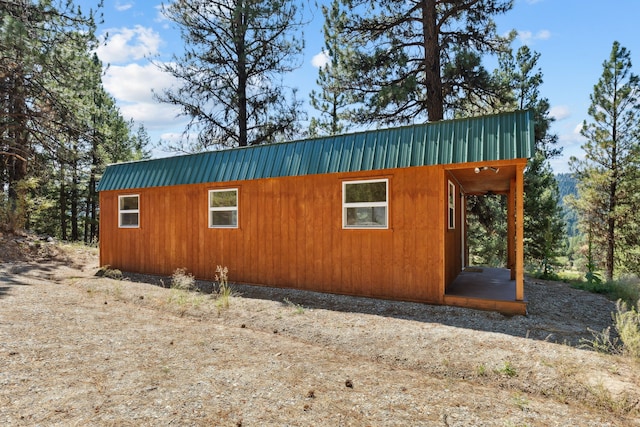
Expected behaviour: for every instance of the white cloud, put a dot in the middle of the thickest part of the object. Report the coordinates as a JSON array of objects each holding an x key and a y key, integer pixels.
[
  {"x": 133, "y": 82},
  {"x": 127, "y": 44},
  {"x": 161, "y": 17},
  {"x": 320, "y": 60},
  {"x": 131, "y": 85},
  {"x": 578, "y": 129},
  {"x": 153, "y": 115},
  {"x": 543, "y": 35},
  {"x": 528, "y": 37},
  {"x": 569, "y": 135},
  {"x": 560, "y": 112},
  {"x": 121, "y": 7},
  {"x": 570, "y": 139}
]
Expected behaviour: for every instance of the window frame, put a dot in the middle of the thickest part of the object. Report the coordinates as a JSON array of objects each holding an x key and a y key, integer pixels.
[
  {"x": 346, "y": 205},
  {"x": 235, "y": 208},
  {"x": 451, "y": 206},
  {"x": 128, "y": 211}
]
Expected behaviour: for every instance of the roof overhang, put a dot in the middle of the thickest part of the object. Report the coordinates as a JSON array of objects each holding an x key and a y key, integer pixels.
[{"x": 481, "y": 178}]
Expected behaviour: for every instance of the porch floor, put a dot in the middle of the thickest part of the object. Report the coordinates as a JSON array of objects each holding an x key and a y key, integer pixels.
[{"x": 487, "y": 289}]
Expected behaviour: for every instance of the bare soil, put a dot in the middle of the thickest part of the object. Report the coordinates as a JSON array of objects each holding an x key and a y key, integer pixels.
[{"x": 77, "y": 349}]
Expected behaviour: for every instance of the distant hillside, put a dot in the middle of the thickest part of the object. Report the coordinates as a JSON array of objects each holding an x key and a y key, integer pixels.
[{"x": 567, "y": 186}]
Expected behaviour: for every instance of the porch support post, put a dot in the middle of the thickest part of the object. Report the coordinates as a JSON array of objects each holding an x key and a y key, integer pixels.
[
  {"x": 511, "y": 228},
  {"x": 520, "y": 232}
]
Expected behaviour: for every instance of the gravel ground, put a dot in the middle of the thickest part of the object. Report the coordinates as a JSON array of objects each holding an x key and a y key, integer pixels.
[{"x": 82, "y": 350}]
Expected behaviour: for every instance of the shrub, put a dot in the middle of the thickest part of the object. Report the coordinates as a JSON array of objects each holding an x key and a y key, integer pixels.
[
  {"x": 182, "y": 280},
  {"x": 507, "y": 369},
  {"x": 224, "y": 289},
  {"x": 602, "y": 342},
  {"x": 627, "y": 323},
  {"x": 109, "y": 273}
]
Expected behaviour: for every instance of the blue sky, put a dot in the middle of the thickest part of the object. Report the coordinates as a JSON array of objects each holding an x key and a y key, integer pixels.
[{"x": 574, "y": 37}]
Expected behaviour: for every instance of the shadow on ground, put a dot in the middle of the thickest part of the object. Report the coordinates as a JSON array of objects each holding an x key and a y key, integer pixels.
[{"x": 557, "y": 312}]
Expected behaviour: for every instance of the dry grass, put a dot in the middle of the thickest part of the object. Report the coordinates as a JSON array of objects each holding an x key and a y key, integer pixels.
[{"x": 95, "y": 351}]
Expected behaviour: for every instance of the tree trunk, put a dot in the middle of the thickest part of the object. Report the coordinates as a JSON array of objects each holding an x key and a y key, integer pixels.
[
  {"x": 613, "y": 187},
  {"x": 92, "y": 202},
  {"x": 63, "y": 205},
  {"x": 92, "y": 207},
  {"x": 242, "y": 74},
  {"x": 19, "y": 148},
  {"x": 433, "y": 80},
  {"x": 74, "y": 201},
  {"x": 611, "y": 226}
]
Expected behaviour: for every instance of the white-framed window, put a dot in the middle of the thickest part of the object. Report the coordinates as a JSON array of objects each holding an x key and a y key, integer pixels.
[
  {"x": 223, "y": 208},
  {"x": 365, "y": 204},
  {"x": 129, "y": 211},
  {"x": 451, "y": 210}
]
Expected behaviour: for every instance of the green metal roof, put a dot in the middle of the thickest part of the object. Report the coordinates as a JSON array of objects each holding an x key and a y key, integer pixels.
[{"x": 496, "y": 137}]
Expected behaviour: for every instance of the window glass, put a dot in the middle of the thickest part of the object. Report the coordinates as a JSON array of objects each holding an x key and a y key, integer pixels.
[
  {"x": 368, "y": 217},
  {"x": 366, "y": 192},
  {"x": 128, "y": 211},
  {"x": 365, "y": 204},
  {"x": 452, "y": 206},
  {"x": 223, "y": 199},
  {"x": 223, "y": 218},
  {"x": 223, "y": 208},
  {"x": 128, "y": 219},
  {"x": 128, "y": 203}
]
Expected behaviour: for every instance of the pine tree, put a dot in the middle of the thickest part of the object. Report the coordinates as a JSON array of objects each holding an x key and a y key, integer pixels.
[
  {"x": 397, "y": 71},
  {"x": 517, "y": 81},
  {"x": 38, "y": 41},
  {"x": 58, "y": 126},
  {"x": 332, "y": 101},
  {"x": 236, "y": 53},
  {"x": 608, "y": 187},
  {"x": 543, "y": 220}
]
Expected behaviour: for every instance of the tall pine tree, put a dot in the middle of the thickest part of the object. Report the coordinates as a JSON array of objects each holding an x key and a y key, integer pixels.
[
  {"x": 402, "y": 48},
  {"x": 608, "y": 175},
  {"x": 37, "y": 39},
  {"x": 236, "y": 53},
  {"x": 518, "y": 80},
  {"x": 58, "y": 126},
  {"x": 543, "y": 223},
  {"x": 332, "y": 101}
]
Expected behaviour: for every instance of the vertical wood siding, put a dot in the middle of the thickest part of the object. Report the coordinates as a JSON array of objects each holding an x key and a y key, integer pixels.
[{"x": 290, "y": 235}]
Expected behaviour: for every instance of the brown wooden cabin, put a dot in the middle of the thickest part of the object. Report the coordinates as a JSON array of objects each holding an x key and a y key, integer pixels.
[{"x": 377, "y": 214}]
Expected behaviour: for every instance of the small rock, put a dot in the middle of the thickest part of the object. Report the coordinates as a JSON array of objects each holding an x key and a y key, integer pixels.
[{"x": 348, "y": 383}]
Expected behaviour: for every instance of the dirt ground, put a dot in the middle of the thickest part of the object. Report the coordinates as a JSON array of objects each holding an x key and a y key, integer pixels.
[{"x": 77, "y": 349}]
